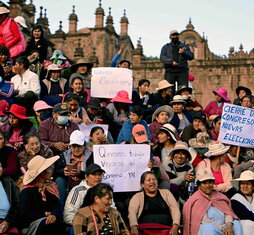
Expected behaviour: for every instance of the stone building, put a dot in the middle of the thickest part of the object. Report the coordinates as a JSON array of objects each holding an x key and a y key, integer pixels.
[{"x": 98, "y": 44}]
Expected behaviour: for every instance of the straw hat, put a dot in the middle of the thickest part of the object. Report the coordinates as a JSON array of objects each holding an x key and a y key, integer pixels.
[
  {"x": 79, "y": 63},
  {"x": 164, "y": 108},
  {"x": 163, "y": 84},
  {"x": 216, "y": 148},
  {"x": 4, "y": 10},
  {"x": 37, "y": 165},
  {"x": 122, "y": 97},
  {"x": 222, "y": 92},
  {"x": 204, "y": 174},
  {"x": 246, "y": 176},
  {"x": 177, "y": 99}
]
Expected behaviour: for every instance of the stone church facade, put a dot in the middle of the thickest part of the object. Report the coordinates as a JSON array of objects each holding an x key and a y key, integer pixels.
[{"x": 99, "y": 43}]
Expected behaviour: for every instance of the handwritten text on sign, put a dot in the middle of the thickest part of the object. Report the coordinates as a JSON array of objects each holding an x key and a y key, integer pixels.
[
  {"x": 124, "y": 164},
  {"x": 106, "y": 82},
  {"x": 237, "y": 126}
]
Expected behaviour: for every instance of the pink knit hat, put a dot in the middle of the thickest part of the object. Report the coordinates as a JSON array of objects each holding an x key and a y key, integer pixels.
[{"x": 222, "y": 92}]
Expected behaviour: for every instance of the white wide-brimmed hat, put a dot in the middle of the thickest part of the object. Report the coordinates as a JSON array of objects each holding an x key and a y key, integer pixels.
[
  {"x": 37, "y": 165},
  {"x": 4, "y": 10},
  {"x": 216, "y": 148},
  {"x": 204, "y": 174},
  {"x": 246, "y": 176}
]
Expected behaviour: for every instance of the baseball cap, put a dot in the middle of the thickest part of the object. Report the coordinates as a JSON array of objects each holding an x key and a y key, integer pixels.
[
  {"x": 61, "y": 109},
  {"x": 77, "y": 137},
  {"x": 139, "y": 133},
  {"x": 174, "y": 31},
  {"x": 92, "y": 168}
]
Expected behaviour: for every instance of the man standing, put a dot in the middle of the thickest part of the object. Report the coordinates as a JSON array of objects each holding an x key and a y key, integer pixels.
[{"x": 175, "y": 56}]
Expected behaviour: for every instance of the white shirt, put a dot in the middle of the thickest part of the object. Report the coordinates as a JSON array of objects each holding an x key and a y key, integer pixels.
[{"x": 29, "y": 81}]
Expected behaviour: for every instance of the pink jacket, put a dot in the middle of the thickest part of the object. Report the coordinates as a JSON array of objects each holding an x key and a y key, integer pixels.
[
  {"x": 196, "y": 207},
  {"x": 8, "y": 36},
  {"x": 226, "y": 175}
]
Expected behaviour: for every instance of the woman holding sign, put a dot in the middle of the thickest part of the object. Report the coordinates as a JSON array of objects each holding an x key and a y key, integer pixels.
[{"x": 153, "y": 207}]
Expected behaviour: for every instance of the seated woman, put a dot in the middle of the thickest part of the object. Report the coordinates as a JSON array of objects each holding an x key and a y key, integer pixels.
[
  {"x": 166, "y": 142},
  {"x": 9, "y": 205},
  {"x": 8, "y": 158},
  {"x": 53, "y": 87},
  {"x": 33, "y": 146},
  {"x": 163, "y": 95},
  {"x": 181, "y": 118},
  {"x": 161, "y": 116},
  {"x": 207, "y": 211},
  {"x": 119, "y": 108},
  {"x": 243, "y": 203},
  {"x": 136, "y": 114},
  {"x": 144, "y": 99},
  {"x": 77, "y": 113},
  {"x": 215, "y": 160},
  {"x": 179, "y": 170},
  {"x": 153, "y": 205},
  {"x": 40, "y": 209},
  {"x": 77, "y": 87},
  {"x": 19, "y": 126},
  {"x": 6, "y": 87},
  {"x": 96, "y": 216},
  {"x": 215, "y": 107},
  {"x": 216, "y": 127},
  {"x": 198, "y": 125}
]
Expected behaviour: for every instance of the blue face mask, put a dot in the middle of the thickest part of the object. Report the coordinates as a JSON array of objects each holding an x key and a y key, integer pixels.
[
  {"x": 62, "y": 120},
  {"x": 3, "y": 118}
]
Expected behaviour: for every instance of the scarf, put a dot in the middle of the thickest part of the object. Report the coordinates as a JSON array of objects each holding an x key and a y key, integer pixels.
[
  {"x": 200, "y": 202},
  {"x": 50, "y": 187}
]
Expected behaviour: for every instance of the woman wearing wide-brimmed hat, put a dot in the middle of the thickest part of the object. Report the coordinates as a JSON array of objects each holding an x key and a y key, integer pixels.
[
  {"x": 40, "y": 209},
  {"x": 179, "y": 170},
  {"x": 163, "y": 95},
  {"x": 215, "y": 160},
  {"x": 208, "y": 211},
  {"x": 82, "y": 68},
  {"x": 161, "y": 116},
  {"x": 243, "y": 203},
  {"x": 215, "y": 107},
  {"x": 181, "y": 118},
  {"x": 19, "y": 125},
  {"x": 53, "y": 87}
]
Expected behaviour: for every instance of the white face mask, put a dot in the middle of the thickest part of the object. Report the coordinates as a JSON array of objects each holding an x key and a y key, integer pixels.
[{"x": 54, "y": 80}]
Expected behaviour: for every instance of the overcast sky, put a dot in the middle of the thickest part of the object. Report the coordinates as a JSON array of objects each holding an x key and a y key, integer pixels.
[{"x": 225, "y": 23}]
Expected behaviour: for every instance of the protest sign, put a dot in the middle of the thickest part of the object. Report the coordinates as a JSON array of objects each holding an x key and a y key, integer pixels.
[
  {"x": 123, "y": 163},
  {"x": 106, "y": 82},
  {"x": 237, "y": 126},
  {"x": 86, "y": 129}
]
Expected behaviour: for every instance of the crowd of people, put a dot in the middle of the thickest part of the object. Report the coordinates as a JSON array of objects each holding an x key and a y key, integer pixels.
[{"x": 49, "y": 182}]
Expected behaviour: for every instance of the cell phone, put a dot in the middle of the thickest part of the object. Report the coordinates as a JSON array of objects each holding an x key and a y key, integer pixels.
[{"x": 70, "y": 166}]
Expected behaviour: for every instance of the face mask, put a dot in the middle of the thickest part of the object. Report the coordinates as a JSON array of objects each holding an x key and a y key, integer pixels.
[
  {"x": 175, "y": 40},
  {"x": 1, "y": 79},
  {"x": 62, "y": 120},
  {"x": 45, "y": 115},
  {"x": 54, "y": 80},
  {"x": 3, "y": 118}
]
